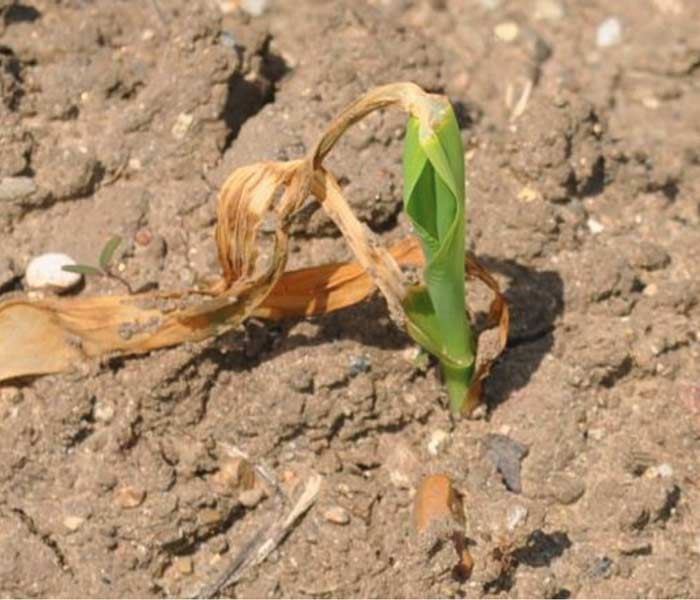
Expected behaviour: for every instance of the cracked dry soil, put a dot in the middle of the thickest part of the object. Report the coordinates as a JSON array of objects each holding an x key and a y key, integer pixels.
[{"x": 586, "y": 207}]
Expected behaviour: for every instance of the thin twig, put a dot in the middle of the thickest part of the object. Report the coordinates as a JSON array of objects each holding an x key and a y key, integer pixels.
[{"x": 265, "y": 540}]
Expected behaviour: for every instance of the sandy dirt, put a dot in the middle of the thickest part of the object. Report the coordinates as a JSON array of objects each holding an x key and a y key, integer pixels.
[{"x": 584, "y": 187}]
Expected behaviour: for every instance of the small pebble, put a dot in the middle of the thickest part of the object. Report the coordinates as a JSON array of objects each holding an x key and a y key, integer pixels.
[
  {"x": 594, "y": 226},
  {"x": 254, "y": 8},
  {"x": 143, "y": 237},
  {"x": 129, "y": 496},
  {"x": 548, "y": 10},
  {"x": 596, "y": 434},
  {"x": 337, "y": 515},
  {"x": 251, "y": 498},
  {"x": 46, "y": 271},
  {"x": 16, "y": 188},
  {"x": 210, "y": 517},
  {"x": 609, "y": 33},
  {"x": 438, "y": 440},
  {"x": 182, "y": 125},
  {"x": 507, "y": 31},
  {"x": 516, "y": 517},
  {"x": 184, "y": 565},
  {"x": 234, "y": 474},
  {"x": 664, "y": 470},
  {"x": 529, "y": 194},
  {"x": 506, "y": 455},
  {"x": 359, "y": 364},
  {"x": 403, "y": 465},
  {"x": 72, "y": 523},
  {"x": 600, "y": 568},
  {"x": 228, "y": 39},
  {"x": 103, "y": 411}
]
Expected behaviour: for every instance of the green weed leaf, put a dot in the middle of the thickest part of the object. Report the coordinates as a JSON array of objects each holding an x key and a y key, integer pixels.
[
  {"x": 108, "y": 251},
  {"x": 82, "y": 269}
]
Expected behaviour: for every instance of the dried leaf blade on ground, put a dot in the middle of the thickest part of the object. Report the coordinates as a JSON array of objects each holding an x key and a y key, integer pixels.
[{"x": 71, "y": 330}]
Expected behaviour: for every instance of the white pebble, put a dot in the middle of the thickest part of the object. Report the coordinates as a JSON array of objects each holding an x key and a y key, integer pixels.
[
  {"x": 507, "y": 31},
  {"x": 72, "y": 523},
  {"x": 664, "y": 470},
  {"x": 516, "y": 516},
  {"x": 337, "y": 515},
  {"x": 548, "y": 10},
  {"x": 438, "y": 440},
  {"x": 254, "y": 7},
  {"x": 594, "y": 225},
  {"x": 609, "y": 32},
  {"x": 46, "y": 271}
]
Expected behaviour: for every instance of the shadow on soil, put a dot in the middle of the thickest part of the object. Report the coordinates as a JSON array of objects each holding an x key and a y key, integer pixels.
[{"x": 535, "y": 298}]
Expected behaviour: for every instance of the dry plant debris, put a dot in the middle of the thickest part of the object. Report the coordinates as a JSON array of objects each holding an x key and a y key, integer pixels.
[{"x": 56, "y": 334}]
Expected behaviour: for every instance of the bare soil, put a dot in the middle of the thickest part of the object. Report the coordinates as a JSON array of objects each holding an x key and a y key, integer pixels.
[{"x": 585, "y": 203}]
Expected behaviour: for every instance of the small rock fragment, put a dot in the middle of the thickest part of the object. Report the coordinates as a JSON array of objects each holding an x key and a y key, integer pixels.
[
  {"x": 402, "y": 465},
  {"x": 254, "y": 8},
  {"x": 252, "y": 497},
  {"x": 567, "y": 489},
  {"x": 15, "y": 189},
  {"x": 529, "y": 194},
  {"x": 548, "y": 10},
  {"x": 210, "y": 517},
  {"x": 143, "y": 237},
  {"x": 46, "y": 271},
  {"x": 234, "y": 475},
  {"x": 516, "y": 516},
  {"x": 600, "y": 568},
  {"x": 507, "y": 31},
  {"x": 664, "y": 470},
  {"x": 72, "y": 523},
  {"x": 103, "y": 411},
  {"x": 359, "y": 364},
  {"x": 609, "y": 33},
  {"x": 129, "y": 496},
  {"x": 595, "y": 226},
  {"x": 436, "y": 501},
  {"x": 506, "y": 455},
  {"x": 337, "y": 515},
  {"x": 438, "y": 440},
  {"x": 184, "y": 565},
  {"x": 182, "y": 125}
]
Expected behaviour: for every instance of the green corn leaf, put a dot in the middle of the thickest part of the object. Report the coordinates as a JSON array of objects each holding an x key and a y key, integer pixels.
[
  {"x": 82, "y": 269},
  {"x": 434, "y": 200},
  {"x": 108, "y": 251}
]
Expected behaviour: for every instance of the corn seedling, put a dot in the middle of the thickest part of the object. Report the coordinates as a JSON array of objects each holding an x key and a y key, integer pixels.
[{"x": 52, "y": 335}]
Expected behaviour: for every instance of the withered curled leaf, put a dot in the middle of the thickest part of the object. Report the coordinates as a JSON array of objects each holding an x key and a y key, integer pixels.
[{"x": 56, "y": 334}]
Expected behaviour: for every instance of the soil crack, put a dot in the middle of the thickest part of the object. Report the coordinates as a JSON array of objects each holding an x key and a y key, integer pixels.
[{"x": 45, "y": 539}]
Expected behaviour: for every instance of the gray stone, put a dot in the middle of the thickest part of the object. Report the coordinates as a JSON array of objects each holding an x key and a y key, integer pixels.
[{"x": 16, "y": 189}]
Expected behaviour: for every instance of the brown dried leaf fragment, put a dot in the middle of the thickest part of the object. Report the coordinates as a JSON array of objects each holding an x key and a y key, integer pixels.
[{"x": 54, "y": 335}]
